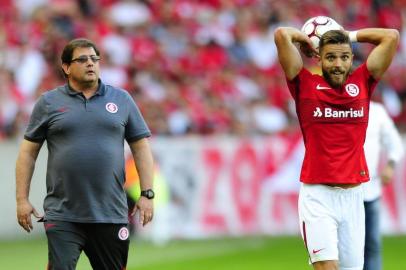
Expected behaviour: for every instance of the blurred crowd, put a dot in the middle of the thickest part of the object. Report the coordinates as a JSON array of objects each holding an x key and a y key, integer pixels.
[{"x": 193, "y": 66}]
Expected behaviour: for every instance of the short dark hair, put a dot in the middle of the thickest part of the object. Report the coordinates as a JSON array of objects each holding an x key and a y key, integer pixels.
[
  {"x": 67, "y": 52},
  {"x": 334, "y": 37}
]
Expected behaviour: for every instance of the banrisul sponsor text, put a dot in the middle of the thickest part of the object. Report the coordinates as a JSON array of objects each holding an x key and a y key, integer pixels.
[{"x": 332, "y": 113}]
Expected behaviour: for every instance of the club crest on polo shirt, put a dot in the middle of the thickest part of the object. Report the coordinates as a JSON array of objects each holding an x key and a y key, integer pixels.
[
  {"x": 111, "y": 107},
  {"x": 123, "y": 233}
]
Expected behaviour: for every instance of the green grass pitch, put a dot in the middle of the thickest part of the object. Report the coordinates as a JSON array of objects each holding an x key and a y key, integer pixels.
[{"x": 254, "y": 253}]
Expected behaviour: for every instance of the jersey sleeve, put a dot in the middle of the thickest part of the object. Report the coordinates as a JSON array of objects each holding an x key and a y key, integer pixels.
[
  {"x": 37, "y": 127},
  {"x": 363, "y": 72},
  {"x": 136, "y": 127},
  {"x": 295, "y": 83}
]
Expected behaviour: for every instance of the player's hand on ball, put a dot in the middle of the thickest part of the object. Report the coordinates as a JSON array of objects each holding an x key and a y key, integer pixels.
[{"x": 308, "y": 50}]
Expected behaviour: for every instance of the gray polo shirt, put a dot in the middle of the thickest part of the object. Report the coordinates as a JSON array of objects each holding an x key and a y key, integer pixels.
[{"x": 85, "y": 140}]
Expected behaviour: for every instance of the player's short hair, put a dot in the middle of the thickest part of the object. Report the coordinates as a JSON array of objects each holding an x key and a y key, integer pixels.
[
  {"x": 67, "y": 52},
  {"x": 334, "y": 37}
]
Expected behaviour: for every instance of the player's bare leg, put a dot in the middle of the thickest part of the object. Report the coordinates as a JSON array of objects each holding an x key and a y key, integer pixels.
[{"x": 326, "y": 265}]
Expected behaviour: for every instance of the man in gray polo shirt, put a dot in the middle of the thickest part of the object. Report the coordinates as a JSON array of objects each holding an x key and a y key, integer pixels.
[{"x": 85, "y": 123}]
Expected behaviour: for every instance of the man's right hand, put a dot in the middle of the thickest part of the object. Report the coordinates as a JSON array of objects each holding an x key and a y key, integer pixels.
[
  {"x": 308, "y": 50},
  {"x": 24, "y": 211}
]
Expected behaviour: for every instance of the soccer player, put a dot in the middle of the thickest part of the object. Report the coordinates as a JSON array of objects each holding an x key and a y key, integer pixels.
[
  {"x": 333, "y": 116},
  {"x": 85, "y": 124},
  {"x": 382, "y": 136}
]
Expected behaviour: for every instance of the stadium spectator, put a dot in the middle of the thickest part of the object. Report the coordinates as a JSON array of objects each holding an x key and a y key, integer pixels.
[
  {"x": 183, "y": 42},
  {"x": 85, "y": 123},
  {"x": 332, "y": 111},
  {"x": 382, "y": 137}
]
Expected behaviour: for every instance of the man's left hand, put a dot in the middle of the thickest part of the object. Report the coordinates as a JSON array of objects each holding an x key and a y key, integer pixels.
[{"x": 146, "y": 208}]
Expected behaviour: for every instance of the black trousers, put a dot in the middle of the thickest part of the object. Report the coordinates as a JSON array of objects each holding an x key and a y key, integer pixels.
[{"x": 106, "y": 245}]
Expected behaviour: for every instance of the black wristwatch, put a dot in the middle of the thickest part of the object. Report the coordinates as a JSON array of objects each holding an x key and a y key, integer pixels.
[{"x": 148, "y": 193}]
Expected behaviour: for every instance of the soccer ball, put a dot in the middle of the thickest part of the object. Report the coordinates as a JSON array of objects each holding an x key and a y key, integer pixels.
[{"x": 315, "y": 27}]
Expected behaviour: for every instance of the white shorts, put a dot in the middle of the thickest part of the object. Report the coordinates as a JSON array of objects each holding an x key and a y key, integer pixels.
[{"x": 332, "y": 224}]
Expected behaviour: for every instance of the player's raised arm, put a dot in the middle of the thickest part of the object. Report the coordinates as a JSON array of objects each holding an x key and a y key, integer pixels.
[
  {"x": 386, "y": 41},
  {"x": 289, "y": 55}
]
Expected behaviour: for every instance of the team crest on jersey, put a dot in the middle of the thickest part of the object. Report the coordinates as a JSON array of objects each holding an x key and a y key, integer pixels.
[
  {"x": 123, "y": 233},
  {"x": 352, "y": 89},
  {"x": 111, "y": 107}
]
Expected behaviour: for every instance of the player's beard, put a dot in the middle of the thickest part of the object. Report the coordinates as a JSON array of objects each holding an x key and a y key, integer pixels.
[{"x": 335, "y": 77}]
